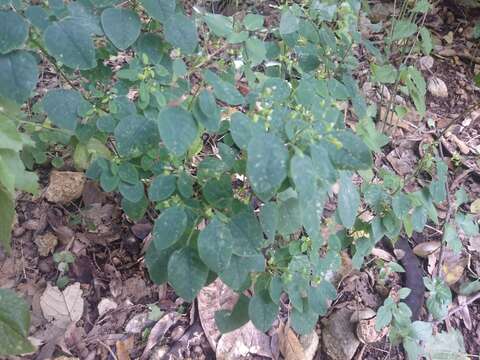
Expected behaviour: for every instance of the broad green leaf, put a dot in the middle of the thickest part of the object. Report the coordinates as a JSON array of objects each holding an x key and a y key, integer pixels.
[
  {"x": 247, "y": 233},
  {"x": 215, "y": 245},
  {"x": 14, "y": 324},
  {"x": 132, "y": 192},
  {"x": 401, "y": 205},
  {"x": 289, "y": 23},
  {"x": 108, "y": 181},
  {"x": 63, "y": 106},
  {"x": 186, "y": 273},
  {"x": 403, "y": 29},
  {"x": 253, "y": 22},
  {"x": 218, "y": 192},
  {"x": 275, "y": 288},
  {"x": 266, "y": 165},
  {"x": 348, "y": 200},
  {"x": 262, "y": 311},
  {"x": 319, "y": 295},
  {"x": 185, "y": 185},
  {"x": 70, "y": 44},
  {"x": 23, "y": 180},
  {"x": 426, "y": 43},
  {"x": 269, "y": 217},
  {"x": 18, "y": 75},
  {"x": 128, "y": 173},
  {"x": 160, "y": 10},
  {"x": 467, "y": 223},
  {"x": 135, "y": 210},
  {"x": 223, "y": 90},
  {"x": 447, "y": 345},
  {"x": 169, "y": 227},
  {"x": 181, "y": 32},
  {"x": 236, "y": 275},
  {"x": 228, "y": 321},
  {"x": 135, "y": 135},
  {"x": 278, "y": 89},
  {"x": 384, "y": 317},
  {"x": 337, "y": 89},
  {"x": 385, "y": 74},
  {"x": 353, "y": 153},
  {"x": 157, "y": 263},
  {"x": 178, "y": 129},
  {"x": 206, "y": 111},
  {"x": 85, "y": 17},
  {"x": 220, "y": 25},
  {"x": 243, "y": 129},
  {"x": 37, "y": 16},
  {"x": 122, "y": 26},
  {"x": 256, "y": 50},
  {"x": 304, "y": 322},
  {"x": 469, "y": 287},
  {"x": 152, "y": 45},
  {"x": 7, "y": 204},
  {"x": 322, "y": 163},
  {"x": 290, "y": 218},
  {"x": 13, "y": 31},
  {"x": 162, "y": 187},
  {"x": 450, "y": 237}
]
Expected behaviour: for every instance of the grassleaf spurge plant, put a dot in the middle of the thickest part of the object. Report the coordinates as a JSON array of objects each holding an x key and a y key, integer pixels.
[{"x": 238, "y": 154}]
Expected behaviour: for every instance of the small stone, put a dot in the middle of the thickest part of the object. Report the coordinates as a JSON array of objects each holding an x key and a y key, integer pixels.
[
  {"x": 426, "y": 62},
  {"x": 32, "y": 224},
  {"x": 437, "y": 87},
  {"x": 65, "y": 186},
  {"x": 136, "y": 324},
  {"x": 44, "y": 266},
  {"x": 363, "y": 314},
  {"x": 177, "y": 333},
  {"x": 338, "y": 335},
  {"x": 46, "y": 243},
  {"x": 366, "y": 332},
  {"x": 310, "y": 344},
  {"x": 106, "y": 305}
]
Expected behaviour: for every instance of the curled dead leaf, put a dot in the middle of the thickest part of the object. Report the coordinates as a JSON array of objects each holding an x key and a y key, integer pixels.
[
  {"x": 244, "y": 343},
  {"x": 63, "y": 307},
  {"x": 426, "y": 248},
  {"x": 46, "y": 243},
  {"x": 367, "y": 333},
  {"x": 65, "y": 186},
  {"x": 290, "y": 346},
  {"x": 437, "y": 87},
  {"x": 453, "y": 266}
]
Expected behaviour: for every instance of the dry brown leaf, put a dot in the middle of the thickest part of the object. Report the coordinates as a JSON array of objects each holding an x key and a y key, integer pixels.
[
  {"x": 367, "y": 333},
  {"x": 158, "y": 331},
  {"x": 105, "y": 305},
  {"x": 339, "y": 340},
  {"x": 46, "y": 243},
  {"x": 464, "y": 312},
  {"x": 63, "y": 307},
  {"x": 382, "y": 254},
  {"x": 437, "y": 87},
  {"x": 212, "y": 298},
  {"x": 475, "y": 206},
  {"x": 244, "y": 343},
  {"x": 426, "y": 248},
  {"x": 65, "y": 186},
  {"x": 290, "y": 346},
  {"x": 124, "y": 347},
  {"x": 453, "y": 266}
]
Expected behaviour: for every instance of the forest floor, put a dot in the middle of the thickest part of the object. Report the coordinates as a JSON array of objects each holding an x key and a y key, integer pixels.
[{"x": 118, "y": 313}]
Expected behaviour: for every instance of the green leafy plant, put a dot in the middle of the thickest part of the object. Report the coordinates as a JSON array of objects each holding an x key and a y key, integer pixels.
[{"x": 250, "y": 208}]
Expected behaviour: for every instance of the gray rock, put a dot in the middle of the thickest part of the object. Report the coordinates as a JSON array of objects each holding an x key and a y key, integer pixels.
[{"x": 338, "y": 335}]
